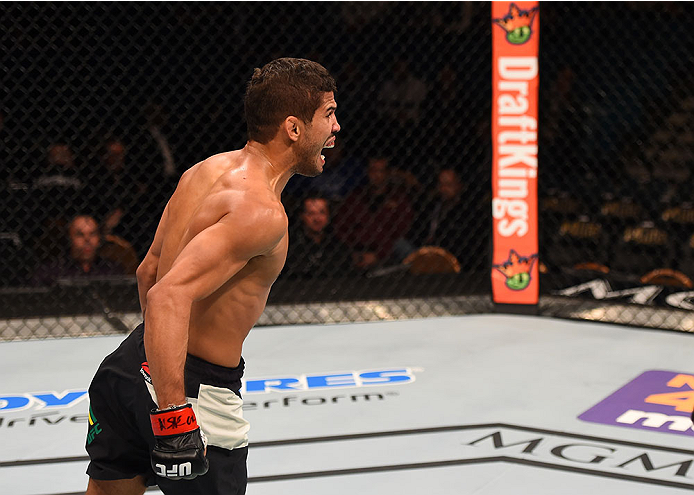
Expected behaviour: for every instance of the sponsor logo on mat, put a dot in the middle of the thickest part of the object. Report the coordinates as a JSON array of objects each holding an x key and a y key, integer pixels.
[
  {"x": 655, "y": 400},
  {"x": 41, "y": 400},
  {"x": 329, "y": 380}
]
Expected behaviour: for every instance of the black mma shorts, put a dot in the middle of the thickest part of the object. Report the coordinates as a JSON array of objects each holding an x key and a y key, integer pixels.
[{"x": 120, "y": 438}]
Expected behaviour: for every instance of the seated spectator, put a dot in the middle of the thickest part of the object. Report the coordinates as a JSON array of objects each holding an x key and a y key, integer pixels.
[
  {"x": 61, "y": 171},
  {"x": 402, "y": 96},
  {"x": 118, "y": 194},
  {"x": 444, "y": 221},
  {"x": 374, "y": 216},
  {"x": 55, "y": 196},
  {"x": 82, "y": 260},
  {"x": 314, "y": 251},
  {"x": 400, "y": 112}
]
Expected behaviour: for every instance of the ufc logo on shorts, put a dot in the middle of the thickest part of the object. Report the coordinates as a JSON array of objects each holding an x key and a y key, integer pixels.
[{"x": 174, "y": 471}]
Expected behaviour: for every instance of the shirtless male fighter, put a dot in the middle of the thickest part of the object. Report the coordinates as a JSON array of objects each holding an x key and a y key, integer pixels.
[{"x": 174, "y": 417}]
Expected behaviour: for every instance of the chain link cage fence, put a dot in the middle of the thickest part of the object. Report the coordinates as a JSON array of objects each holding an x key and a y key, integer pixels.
[
  {"x": 616, "y": 155},
  {"x": 104, "y": 105}
]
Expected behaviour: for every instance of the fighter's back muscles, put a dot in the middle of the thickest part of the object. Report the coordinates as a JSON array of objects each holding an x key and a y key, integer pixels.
[{"x": 251, "y": 224}]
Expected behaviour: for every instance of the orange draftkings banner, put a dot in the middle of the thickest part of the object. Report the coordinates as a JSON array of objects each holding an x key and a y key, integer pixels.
[{"x": 515, "y": 38}]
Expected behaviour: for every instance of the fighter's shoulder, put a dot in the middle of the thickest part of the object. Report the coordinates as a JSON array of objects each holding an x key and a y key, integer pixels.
[
  {"x": 256, "y": 204},
  {"x": 214, "y": 166},
  {"x": 254, "y": 212},
  {"x": 255, "y": 226}
]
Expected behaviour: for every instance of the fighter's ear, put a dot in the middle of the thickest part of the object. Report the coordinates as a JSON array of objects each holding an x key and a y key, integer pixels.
[{"x": 292, "y": 128}]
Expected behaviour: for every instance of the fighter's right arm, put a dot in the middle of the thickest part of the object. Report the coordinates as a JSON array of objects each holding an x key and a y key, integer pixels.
[{"x": 207, "y": 262}]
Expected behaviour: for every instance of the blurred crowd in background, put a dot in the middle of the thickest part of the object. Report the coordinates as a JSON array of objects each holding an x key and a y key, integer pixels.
[{"x": 104, "y": 106}]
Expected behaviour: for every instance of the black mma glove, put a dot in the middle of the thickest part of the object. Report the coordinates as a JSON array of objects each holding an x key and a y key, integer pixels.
[{"x": 179, "y": 444}]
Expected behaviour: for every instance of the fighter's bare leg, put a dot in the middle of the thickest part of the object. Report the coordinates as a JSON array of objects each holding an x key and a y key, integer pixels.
[{"x": 134, "y": 486}]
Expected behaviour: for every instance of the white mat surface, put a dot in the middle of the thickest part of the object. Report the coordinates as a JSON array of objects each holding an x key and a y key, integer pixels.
[{"x": 459, "y": 405}]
